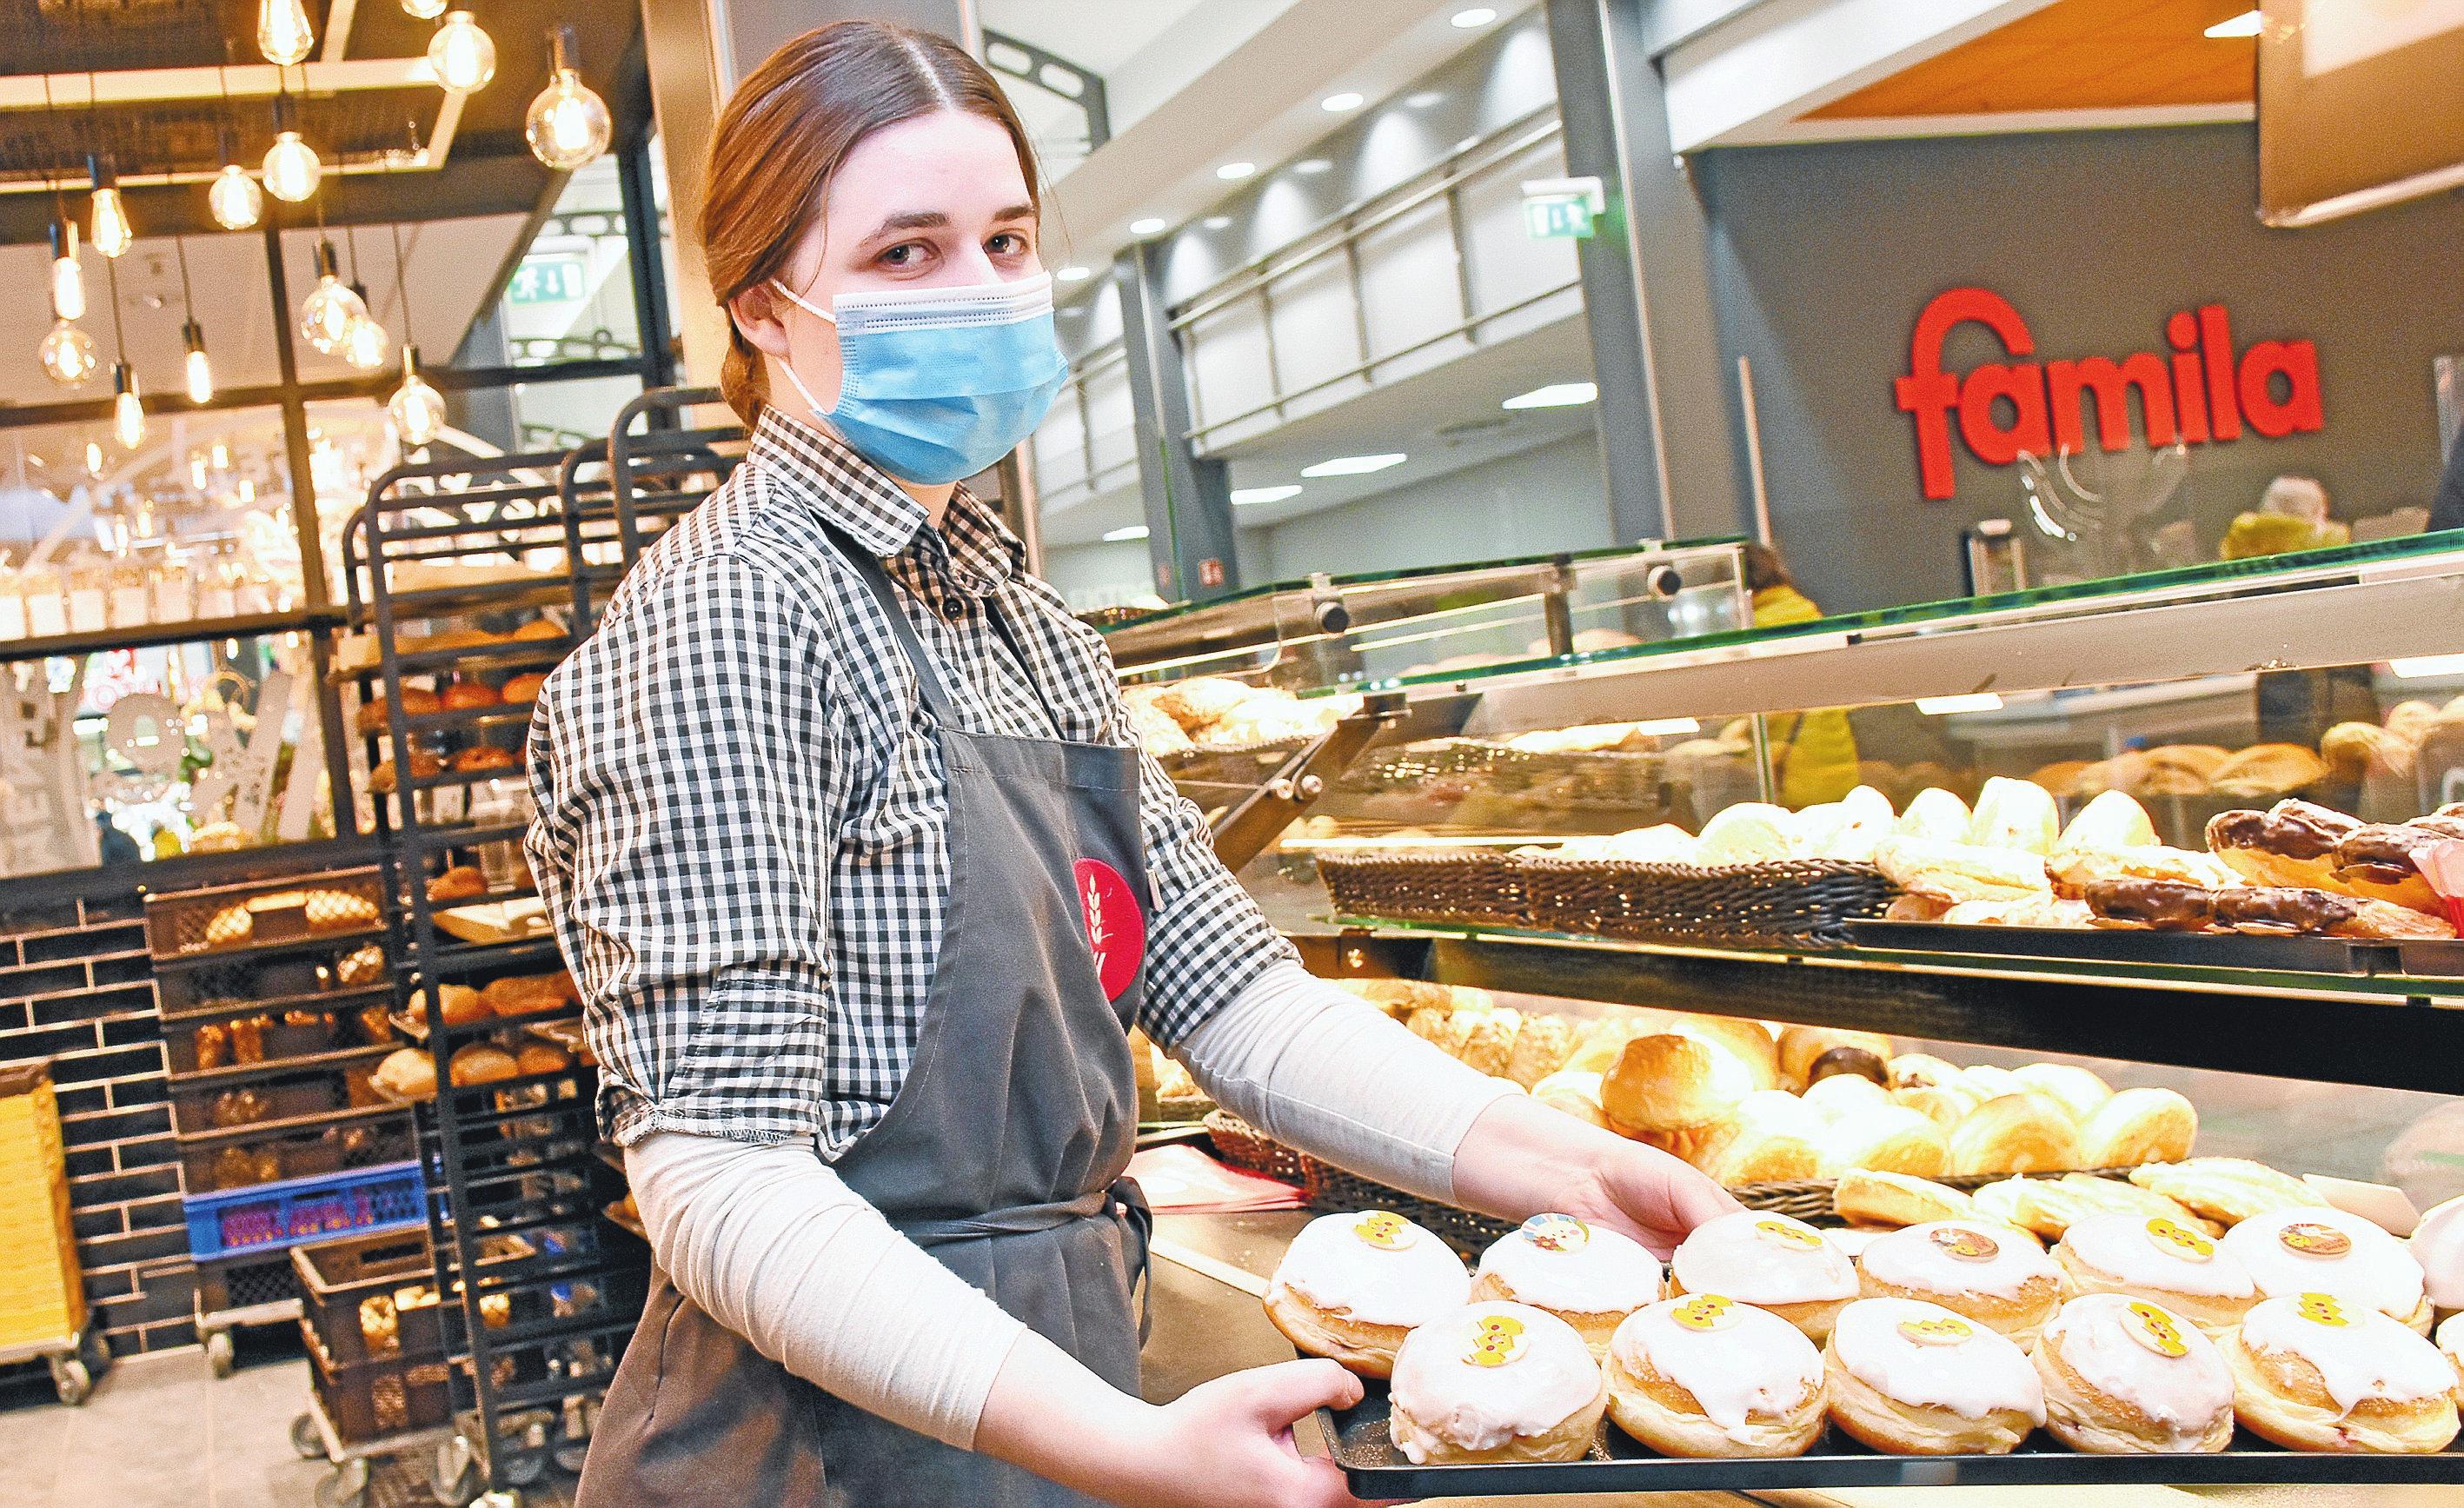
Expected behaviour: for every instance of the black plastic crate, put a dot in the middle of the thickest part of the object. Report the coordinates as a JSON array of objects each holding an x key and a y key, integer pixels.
[
  {"x": 349, "y": 1294},
  {"x": 367, "y": 1401}
]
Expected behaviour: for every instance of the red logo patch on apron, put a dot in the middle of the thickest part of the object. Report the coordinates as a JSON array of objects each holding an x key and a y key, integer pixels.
[{"x": 1116, "y": 929}]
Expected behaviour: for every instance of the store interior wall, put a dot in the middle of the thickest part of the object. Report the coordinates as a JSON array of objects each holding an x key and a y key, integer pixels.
[{"x": 1823, "y": 256}]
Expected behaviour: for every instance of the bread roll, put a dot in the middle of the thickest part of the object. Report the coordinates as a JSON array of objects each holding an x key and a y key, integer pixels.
[
  {"x": 1915, "y": 1070},
  {"x": 1769, "y": 1138},
  {"x": 1749, "y": 832},
  {"x": 407, "y": 1074},
  {"x": 2076, "y": 1089},
  {"x": 1935, "y": 815},
  {"x": 1844, "y": 1093},
  {"x": 481, "y": 1063},
  {"x": 2358, "y": 751},
  {"x": 2139, "y": 1125},
  {"x": 1541, "y": 1046},
  {"x": 2015, "y": 814},
  {"x": 2020, "y": 1133},
  {"x": 2113, "y": 820},
  {"x": 1946, "y": 1106},
  {"x": 1576, "y": 1092},
  {"x": 1891, "y": 1139},
  {"x": 2268, "y": 770}
]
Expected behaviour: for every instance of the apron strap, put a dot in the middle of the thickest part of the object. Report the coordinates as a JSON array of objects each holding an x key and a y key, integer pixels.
[
  {"x": 885, "y": 591},
  {"x": 1125, "y": 1201}
]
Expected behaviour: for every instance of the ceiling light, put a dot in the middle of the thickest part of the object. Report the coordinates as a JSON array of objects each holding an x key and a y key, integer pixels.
[
  {"x": 68, "y": 355},
  {"x": 68, "y": 278},
  {"x": 1217, "y": 222},
  {"x": 1338, "y": 104},
  {"x": 416, "y": 409},
  {"x": 463, "y": 55},
  {"x": 128, "y": 409},
  {"x": 1136, "y": 531},
  {"x": 292, "y": 170},
  {"x": 283, "y": 34},
  {"x": 1556, "y": 396},
  {"x": 366, "y": 346},
  {"x": 234, "y": 198},
  {"x": 112, "y": 234},
  {"x": 93, "y": 459},
  {"x": 566, "y": 125},
  {"x": 1234, "y": 172},
  {"x": 199, "y": 372},
  {"x": 423, "y": 9},
  {"x": 330, "y": 309},
  {"x": 2427, "y": 666},
  {"x": 1074, "y": 274},
  {"x": 1355, "y": 465},
  {"x": 1975, "y": 702},
  {"x": 1246, "y": 495},
  {"x": 1313, "y": 167},
  {"x": 1423, "y": 98},
  {"x": 1151, "y": 225},
  {"x": 2246, "y": 24},
  {"x": 1475, "y": 16}
]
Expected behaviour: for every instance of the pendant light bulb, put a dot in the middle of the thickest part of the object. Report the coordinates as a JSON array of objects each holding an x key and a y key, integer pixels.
[
  {"x": 93, "y": 459},
  {"x": 292, "y": 170},
  {"x": 200, "y": 370},
  {"x": 68, "y": 355},
  {"x": 417, "y": 410},
  {"x": 128, "y": 409},
  {"x": 366, "y": 346},
  {"x": 567, "y": 126},
  {"x": 234, "y": 198},
  {"x": 330, "y": 309},
  {"x": 464, "y": 57},
  {"x": 423, "y": 9},
  {"x": 113, "y": 236},
  {"x": 68, "y": 278},
  {"x": 283, "y": 32}
]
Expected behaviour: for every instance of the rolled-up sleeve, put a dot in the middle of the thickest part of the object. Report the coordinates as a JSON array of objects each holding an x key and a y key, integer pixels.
[{"x": 682, "y": 765}]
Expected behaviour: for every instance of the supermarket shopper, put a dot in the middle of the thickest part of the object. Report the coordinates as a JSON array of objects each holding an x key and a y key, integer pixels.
[{"x": 865, "y": 880}]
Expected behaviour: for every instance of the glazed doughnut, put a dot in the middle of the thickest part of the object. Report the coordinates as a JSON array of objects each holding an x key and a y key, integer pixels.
[
  {"x": 1991, "y": 1273},
  {"x": 1866, "y": 1197},
  {"x": 2437, "y": 1244},
  {"x": 2315, "y": 1374},
  {"x": 2156, "y": 1257},
  {"x": 1495, "y": 1381},
  {"x": 2451, "y": 1345},
  {"x": 2125, "y": 1375},
  {"x": 2138, "y": 1125},
  {"x": 1913, "y": 1379},
  {"x": 1770, "y": 1261},
  {"x": 2320, "y": 1249},
  {"x": 1589, "y": 1276},
  {"x": 1707, "y": 1376},
  {"x": 2226, "y": 1189},
  {"x": 1352, "y": 1286}
]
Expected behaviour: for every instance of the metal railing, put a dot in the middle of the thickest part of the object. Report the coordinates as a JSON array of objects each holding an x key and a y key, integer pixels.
[{"x": 1095, "y": 477}]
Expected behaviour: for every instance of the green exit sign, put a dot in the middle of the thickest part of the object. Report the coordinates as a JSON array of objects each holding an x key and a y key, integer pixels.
[
  {"x": 547, "y": 279},
  {"x": 1562, "y": 209}
]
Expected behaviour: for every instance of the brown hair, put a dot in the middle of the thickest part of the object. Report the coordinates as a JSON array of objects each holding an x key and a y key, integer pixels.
[{"x": 786, "y": 129}]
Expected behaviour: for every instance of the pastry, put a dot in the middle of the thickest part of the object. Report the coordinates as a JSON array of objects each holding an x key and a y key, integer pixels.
[
  {"x": 2126, "y": 1376},
  {"x": 1920, "y": 1070},
  {"x": 2028, "y": 911},
  {"x": 462, "y": 1004},
  {"x": 482, "y": 1063},
  {"x": 2280, "y": 910},
  {"x": 1911, "y": 1378},
  {"x": 1770, "y": 1138},
  {"x": 2378, "y": 861},
  {"x": 424, "y": 765},
  {"x": 1770, "y": 1261},
  {"x": 2015, "y": 814},
  {"x": 1155, "y": 728},
  {"x": 2323, "y": 1250},
  {"x": 2113, "y": 820},
  {"x": 1800, "y": 1047},
  {"x": 1957, "y": 871},
  {"x": 1836, "y": 1094},
  {"x": 2356, "y": 751},
  {"x": 2138, "y": 1125},
  {"x": 2293, "y": 843},
  {"x": 1970, "y": 1267},
  {"x": 542, "y": 1058},
  {"x": 1946, "y": 1106},
  {"x": 1707, "y": 1376},
  {"x": 2048, "y": 1206},
  {"x": 2160, "y": 1258},
  {"x": 339, "y": 911},
  {"x": 2226, "y": 1189},
  {"x": 2017, "y": 1133},
  {"x": 536, "y": 629},
  {"x": 2079, "y": 1090},
  {"x": 524, "y": 687},
  {"x": 1887, "y": 1137},
  {"x": 1851, "y": 829},
  {"x": 1866, "y": 1197},
  {"x": 485, "y": 756},
  {"x": 2151, "y": 905},
  {"x": 1495, "y": 1381},
  {"x": 1541, "y": 1046},
  {"x": 2313, "y": 1373},
  {"x": 2268, "y": 770},
  {"x": 1352, "y": 1285},
  {"x": 362, "y": 965},
  {"x": 1197, "y": 703},
  {"x": 1688, "y": 1076},
  {"x": 1747, "y": 833},
  {"x": 417, "y": 702},
  {"x": 2073, "y": 868},
  {"x": 229, "y": 927},
  {"x": 2451, "y": 1345},
  {"x": 2181, "y": 769},
  {"x": 2388, "y": 921},
  {"x": 461, "y": 883},
  {"x": 520, "y": 994},
  {"x": 2437, "y": 1245},
  {"x": 1574, "y": 1091},
  {"x": 1588, "y": 1275},
  {"x": 407, "y": 1074},
  {"x": 1935, "y": 815},
  {"x": 466, "y": 695}
]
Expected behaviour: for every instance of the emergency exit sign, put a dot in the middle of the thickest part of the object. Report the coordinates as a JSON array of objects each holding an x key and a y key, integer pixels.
[
  {"x": 1561, "y": 209},
  {"x": 547, "y": 279}
]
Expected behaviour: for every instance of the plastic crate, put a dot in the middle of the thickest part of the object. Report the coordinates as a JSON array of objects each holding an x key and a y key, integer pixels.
[
  {"x": 368, "y": 1401},
  {"x": 350, "y": 1290},
  {"x": 273, "y": 1217}
]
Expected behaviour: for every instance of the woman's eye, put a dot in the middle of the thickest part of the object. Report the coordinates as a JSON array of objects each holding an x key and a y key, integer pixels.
[
  {"x": 1008, "y": 243},
  {"x": 905, "y": 255}
]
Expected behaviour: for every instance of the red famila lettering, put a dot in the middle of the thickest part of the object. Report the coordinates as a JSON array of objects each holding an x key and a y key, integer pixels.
[{"x": 2196, "y": 393}]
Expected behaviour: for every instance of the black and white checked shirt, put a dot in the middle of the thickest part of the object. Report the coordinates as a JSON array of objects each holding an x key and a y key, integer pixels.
[{"x": 742, "y": 829}]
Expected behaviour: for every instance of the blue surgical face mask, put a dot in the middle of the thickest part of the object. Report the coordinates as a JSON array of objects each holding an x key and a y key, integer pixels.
[{"x": 941, "y": 383}]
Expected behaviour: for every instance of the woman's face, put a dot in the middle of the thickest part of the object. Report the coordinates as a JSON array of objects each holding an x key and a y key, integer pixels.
[{"x": 935, "y": 201}]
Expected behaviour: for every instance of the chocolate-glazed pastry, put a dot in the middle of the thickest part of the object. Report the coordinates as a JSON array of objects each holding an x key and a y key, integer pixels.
[
  {"x": 2162, "y": 905},
  {"x": 2292, "y": 843},
  {"x": 2281, "y": 910},
  {"x": 2385, "y": 922},
  {"x": 1859, "y": 1061},
  {"x": 2379, "y": 860}
]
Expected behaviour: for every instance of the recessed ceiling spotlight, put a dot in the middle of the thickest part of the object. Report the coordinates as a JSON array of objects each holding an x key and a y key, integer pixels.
[
  {"x": 1338, "y": 104},
  {"x": 1556, "y": 396},
  {"x": 1216, "y": 222},
  {"x": 1247, "y": 495},
  {"x": 1421, "y": 100},
  {"x": 1136, "y": 531},
  {"x": 1234, "y": 172},
  {"x": 1074, "y": 274},
  {"x": 1355, "y": 465},
  {"x": 1312, "y": 166},
  {"x": 2246, "y": 24},
  {"x": 1474, "y": 16},
  {"x": 1150, "y": 225}
]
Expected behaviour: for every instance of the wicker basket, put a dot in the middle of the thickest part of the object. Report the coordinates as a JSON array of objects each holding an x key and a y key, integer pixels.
[
  {"x": 1785, "y": 904},
  {"x": 1430, "y": 885},
  {"x": 1244, "y": 1146}
]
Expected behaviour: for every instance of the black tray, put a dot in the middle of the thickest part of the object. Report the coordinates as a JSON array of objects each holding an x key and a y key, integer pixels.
[
  {"x": 1358, "y": 1440},
  {"x": 2295, "y": 955}
]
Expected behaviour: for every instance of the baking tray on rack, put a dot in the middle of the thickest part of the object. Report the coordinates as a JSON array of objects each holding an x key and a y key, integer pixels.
[
  {"x": 2297, "y": 955},
  {"x": 1357, "y": 1439}
]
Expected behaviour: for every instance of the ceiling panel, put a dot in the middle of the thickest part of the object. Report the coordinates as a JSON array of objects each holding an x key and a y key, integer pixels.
[
  {"x": 74, "y": 36},
  {"x": 2075, "y": 55}
]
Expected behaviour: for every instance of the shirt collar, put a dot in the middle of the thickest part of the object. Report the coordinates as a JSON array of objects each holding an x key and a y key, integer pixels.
[{"x": 823, "y": 473}]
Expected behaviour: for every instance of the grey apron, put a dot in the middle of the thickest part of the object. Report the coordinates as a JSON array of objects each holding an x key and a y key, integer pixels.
[{"x": 1003, "y": 1151}]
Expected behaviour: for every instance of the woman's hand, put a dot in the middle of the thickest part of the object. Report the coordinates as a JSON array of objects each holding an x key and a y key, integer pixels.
[{"x": 1522, "y": 1158}]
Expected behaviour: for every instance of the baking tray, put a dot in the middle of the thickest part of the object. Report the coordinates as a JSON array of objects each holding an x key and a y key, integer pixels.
[
  {"x": 2294, "y": 955},
  {"x": 1357, "y": 1439}
]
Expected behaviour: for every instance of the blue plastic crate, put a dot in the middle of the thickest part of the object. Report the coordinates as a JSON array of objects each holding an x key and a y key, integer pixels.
[{"x": 271, "y": 1217}]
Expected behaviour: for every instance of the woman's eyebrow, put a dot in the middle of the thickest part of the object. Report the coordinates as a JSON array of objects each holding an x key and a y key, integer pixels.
[{"x": 910, "y": 220}]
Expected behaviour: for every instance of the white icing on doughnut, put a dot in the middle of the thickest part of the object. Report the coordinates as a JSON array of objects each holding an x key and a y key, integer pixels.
[
  {"x": 2438, "y": 1245},
  {"x": 2450, "y": 1340},
  {"x": 1572, "y": 1266},
  {"x": 2119, "y": 1246},
  {"x": 2184, "y": 1394},
  {"x": 1924, "y": 1257},
  {"x": 1477, "y": 1406},
  {"x": 1332, "y": 1267},
  {"x": 1751, "y": 1361},
  {"x": 1982, "y": 1373},
  {"x": 2376, "y": 1271},
  {"x": 2368, "y": 1356},
  {"x": 1735, "y": 1256}
]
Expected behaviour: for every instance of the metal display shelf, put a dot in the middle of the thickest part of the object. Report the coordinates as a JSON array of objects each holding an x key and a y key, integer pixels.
[{"x": 244, "y": 626}]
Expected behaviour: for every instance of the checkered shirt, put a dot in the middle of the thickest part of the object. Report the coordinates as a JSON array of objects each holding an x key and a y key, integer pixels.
[{"x": 743, "y": 826}]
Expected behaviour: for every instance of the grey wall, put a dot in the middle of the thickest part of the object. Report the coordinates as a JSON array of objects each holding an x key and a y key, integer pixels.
[
  {"x": 1528, "y": 503},
  {"x": 1823, "y": 256}
]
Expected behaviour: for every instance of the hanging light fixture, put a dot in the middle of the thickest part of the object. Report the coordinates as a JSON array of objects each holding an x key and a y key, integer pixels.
[
  {"x": 417, "y": 408},
  {"x": 234, "y": 198},
  {"x": 128, "y": 409},
  {"x": 292, "y": 171},
  {"x": 566, "y": 125},
  {"x": 68, "y": 278},
  {"x": 113, "y": 236},
  {"x": 330, "y": 309},
  {"x": 283, "y": 32},
  {"x": 423, "y": 9},
  {"x": 199, "y": 371},
  {"x": 463, "y": 55},
  {"x": 68, "y": 355},
  {"x": 366, "y": 346},
  {"x": 93, "y": 459}
]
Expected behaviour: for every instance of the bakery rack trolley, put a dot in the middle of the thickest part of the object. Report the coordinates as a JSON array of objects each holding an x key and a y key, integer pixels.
[
  {"x": 474, "y": 573},
  {"x": 669, "y": 466}
]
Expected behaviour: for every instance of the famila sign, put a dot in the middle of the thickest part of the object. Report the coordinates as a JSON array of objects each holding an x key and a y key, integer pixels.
[{"x": 2199, "y": 392}]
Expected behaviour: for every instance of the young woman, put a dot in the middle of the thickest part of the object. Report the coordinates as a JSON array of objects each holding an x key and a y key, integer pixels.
[{"x": 865, "y": 880}]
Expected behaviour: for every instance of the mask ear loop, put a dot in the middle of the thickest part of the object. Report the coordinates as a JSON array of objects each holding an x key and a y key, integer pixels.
[{"x": 812, "y": 405}]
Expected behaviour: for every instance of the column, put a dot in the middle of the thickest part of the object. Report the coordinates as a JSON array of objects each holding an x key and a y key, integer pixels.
[{"x": 1188, "y": 498}]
